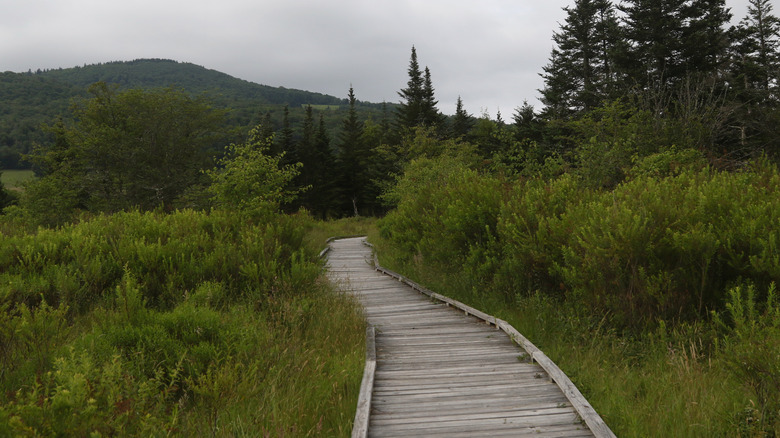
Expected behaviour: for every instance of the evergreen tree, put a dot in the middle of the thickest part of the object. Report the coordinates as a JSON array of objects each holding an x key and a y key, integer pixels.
[
  {"x": 307, "y": 156},
  {"x": 580, "y": 73},
  {"x": 462, "y": 122},
  {"x": 670, "y": 40},
  {"x": 756, "y": 54},
  {"x": 286, "y": 139},
  {"x": 322, "y": 191},
  {"x": 430, "y": 114},
  {"x": 410, "y": 108},
  {"x": 352, "y": 162},
  {"x": 527, "y": 124},
  {"x": 418, "y": 105},
  {"x": 705, "y": 41},
  {"x": 266, "y": 126},
  {"x": 755, "y": 77}
]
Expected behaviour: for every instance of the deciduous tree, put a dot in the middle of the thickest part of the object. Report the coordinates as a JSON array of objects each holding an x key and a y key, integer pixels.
[{"x": 135, "y": 148}]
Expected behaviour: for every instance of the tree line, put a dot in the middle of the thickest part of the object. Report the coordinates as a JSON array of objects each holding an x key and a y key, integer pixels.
[{"x": 622, "y": 82}]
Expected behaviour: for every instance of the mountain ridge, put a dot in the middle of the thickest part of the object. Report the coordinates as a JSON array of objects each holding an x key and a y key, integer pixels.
[{"x": 31, "y": 99}]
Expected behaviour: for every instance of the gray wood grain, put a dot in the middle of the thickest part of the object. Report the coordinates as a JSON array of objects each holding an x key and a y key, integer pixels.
[{"x": 446, "y": 369}]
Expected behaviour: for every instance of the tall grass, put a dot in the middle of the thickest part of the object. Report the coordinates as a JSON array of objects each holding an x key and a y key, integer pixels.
[{"x": 185, "y": 324}]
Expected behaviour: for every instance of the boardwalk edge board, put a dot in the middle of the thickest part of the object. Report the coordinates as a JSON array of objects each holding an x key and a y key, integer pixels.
[
  {"x": 586, "y": 412},
  {"x": 360, "y": 426}
]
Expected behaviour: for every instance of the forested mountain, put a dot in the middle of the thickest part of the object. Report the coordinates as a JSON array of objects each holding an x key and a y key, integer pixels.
[{"x": 30, "y": 99}]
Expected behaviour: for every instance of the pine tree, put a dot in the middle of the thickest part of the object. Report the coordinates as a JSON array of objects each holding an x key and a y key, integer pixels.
[
  {"x": 462, "y": 122},
  {"x": 654, "y": 30},
  {"x": 580, "y": 73}
]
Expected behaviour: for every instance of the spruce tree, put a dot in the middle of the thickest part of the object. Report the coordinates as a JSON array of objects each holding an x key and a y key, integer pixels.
[
  {"x": 430, "y": 114},
  {"x": 527, "y": 124},
  {"x": 352, "y": 162},
  {"x": 410, "y": 108},
  {"x": 286, "y": 139},
  {"x": 672, "y": 40},
  {"x": 323, "y": 187},
  {"x": 580, "y": 73},
  {"x": 704, "y": 51},
  {"x": 755, "y": 78},
  {"x": 462, "y": 122},
  {"x": 418, "y": 104},
  {"x": 756, "y": 53}
]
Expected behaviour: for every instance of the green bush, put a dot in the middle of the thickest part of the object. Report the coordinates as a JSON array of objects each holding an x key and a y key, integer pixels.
[
  {"x": 186, "y": 323},
  {"x": 751, "y": 349},
  {"x": 445, "y": 210}
]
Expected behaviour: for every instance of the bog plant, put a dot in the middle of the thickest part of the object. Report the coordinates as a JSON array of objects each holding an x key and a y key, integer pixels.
[{"x": 186, "y": 323}]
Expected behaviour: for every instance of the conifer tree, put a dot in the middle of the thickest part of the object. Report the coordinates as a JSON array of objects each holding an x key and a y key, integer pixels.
[
  {"x": 756, "y": 53},
  {"x": 322, "y": 196},
  {"x": 418, "y": 105},
  {"x": 581, "y": 73},
  {"x": 527, "y": 124},
  {"x": 352, "y": 162},
  {"x": 755, "y": 78},
  {"x": 462, "y": 122},
  {"x": 410, "y": 107},
  {"x": 306, "y": 155},
  {"x": 430, "y": 114},
  {"x": 286, "y": 137},
  {"x": 671, "y": 40},
  {"x": 266, "y": 126}
]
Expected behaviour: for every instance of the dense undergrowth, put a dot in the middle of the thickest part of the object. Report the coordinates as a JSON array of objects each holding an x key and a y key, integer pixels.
[
  {"x": 185, "y": 324},
  {"x": 657, "y": 296}
]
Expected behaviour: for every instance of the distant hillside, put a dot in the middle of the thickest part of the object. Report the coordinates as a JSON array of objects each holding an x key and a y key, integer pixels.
[
  {"x": 27, "y": 100},
  {"x": 151, "y": 73}
]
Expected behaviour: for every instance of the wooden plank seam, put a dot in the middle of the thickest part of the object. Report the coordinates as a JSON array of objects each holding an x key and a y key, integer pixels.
[{"x": 586, "y": 412}]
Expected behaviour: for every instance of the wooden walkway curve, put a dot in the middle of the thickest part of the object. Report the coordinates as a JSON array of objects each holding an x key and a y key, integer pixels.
[{"x": 441, "y": 373}]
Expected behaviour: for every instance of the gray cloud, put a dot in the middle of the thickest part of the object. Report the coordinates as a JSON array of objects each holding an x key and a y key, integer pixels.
[{"x": 488, "y": 52}]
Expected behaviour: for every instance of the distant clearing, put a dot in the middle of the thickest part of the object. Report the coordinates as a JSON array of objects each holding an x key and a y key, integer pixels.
[
  {"x": 322, "y": 107},
  {"x": 13, "y": 179}
]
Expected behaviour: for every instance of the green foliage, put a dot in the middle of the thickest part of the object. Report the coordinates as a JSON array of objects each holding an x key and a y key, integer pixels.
[
  {"x": 751, "y": 349},
  {"x": 444, "y": 210},
  {"x": 187, "y": 324},
  {"x": 651, "y": 248},
  {"x": 128, "y": 149},
  {"x": 250, "y": 180}
]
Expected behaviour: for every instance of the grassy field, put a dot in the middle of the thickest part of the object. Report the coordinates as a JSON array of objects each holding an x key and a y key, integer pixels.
[
  {"x": 322, "y": 107},
  {"x": 13, "y": 179}
]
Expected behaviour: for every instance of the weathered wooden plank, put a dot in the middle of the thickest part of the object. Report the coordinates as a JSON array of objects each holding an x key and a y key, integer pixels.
[
  {"x": 442, "y": 373},
  {"x": 404, "y": 425},
  {"x": 363, "y": 411},
  {"x": 453, "y": 406}
]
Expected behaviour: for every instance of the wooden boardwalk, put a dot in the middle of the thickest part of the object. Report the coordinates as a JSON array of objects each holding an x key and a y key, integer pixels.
[{"x": 441, "y": 373}]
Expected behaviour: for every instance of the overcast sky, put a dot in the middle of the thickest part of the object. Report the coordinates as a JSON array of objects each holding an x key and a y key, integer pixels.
[{"x": 490, "y": 52}]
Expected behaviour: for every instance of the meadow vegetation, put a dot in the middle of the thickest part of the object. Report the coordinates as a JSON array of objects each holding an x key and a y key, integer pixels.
[
  {"x": 656, "y": 294},
  {"x": 213, "y": 322}
]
